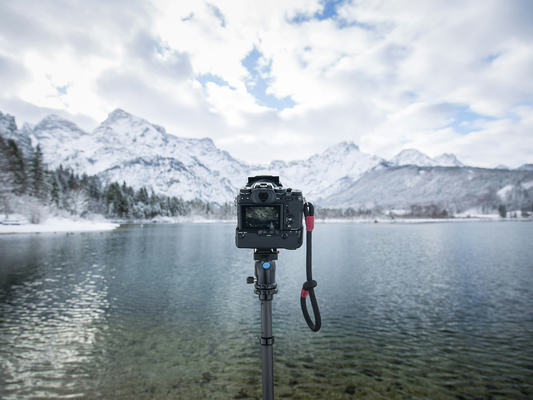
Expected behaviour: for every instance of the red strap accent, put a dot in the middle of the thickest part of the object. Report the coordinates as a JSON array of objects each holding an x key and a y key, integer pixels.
[
  {"x": 304, "y": 293},
  {"x": 310, "y": 223}
]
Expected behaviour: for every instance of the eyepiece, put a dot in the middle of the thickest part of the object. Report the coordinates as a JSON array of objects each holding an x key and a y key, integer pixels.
[{"x": 263, "y": 193}]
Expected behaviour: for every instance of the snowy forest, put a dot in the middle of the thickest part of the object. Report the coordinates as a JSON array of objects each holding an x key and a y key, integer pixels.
[{"x": 28, "y": 188}]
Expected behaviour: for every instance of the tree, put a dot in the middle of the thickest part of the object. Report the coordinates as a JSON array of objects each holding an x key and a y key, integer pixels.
[
  {"x": 502, "y": 210},
  {"x": 37, "y": 174},
  {"x": 18, "y": 167},
  {"x": 55, "y": 190},
  {"x": 6, "y": 178},
  {"x": 79, "y": 201}
]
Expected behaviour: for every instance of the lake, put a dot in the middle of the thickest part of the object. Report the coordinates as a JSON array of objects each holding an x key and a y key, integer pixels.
[{"x": 422, "y": 311}]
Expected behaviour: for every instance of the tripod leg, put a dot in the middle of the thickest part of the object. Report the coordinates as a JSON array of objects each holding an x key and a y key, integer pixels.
[{"x": 267, "y": 340}]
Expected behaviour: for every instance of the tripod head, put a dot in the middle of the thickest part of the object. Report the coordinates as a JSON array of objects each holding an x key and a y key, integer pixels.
[{"x": 265, "y": 273}]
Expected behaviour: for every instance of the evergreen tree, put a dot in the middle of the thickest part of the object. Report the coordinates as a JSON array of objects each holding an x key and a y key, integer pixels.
[
  {"x": 37, "y": 175},
  {"x": 6, "y": 178},
  {"x": 142, "y": 196},
  {"x": 155, "y": 205},
  {"x": 55, "y": 190},
  {"x": 18, "y": 167}
]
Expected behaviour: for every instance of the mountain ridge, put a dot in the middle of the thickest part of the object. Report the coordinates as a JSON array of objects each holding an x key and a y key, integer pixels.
[{"x": 128, "y": 148}]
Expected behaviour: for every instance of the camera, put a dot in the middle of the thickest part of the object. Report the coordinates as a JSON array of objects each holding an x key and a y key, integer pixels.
[{"x": 269, "y": 216}]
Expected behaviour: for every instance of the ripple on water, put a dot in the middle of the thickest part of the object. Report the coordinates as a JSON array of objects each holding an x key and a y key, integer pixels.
[{"x": 163, "y": 312}]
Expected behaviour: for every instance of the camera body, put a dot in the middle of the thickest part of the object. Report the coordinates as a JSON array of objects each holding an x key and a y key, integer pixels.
[{"x": 269, "y": 216}]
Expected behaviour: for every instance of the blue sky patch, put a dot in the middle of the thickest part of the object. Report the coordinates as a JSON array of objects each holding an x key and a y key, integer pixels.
[
  {"x": 329, "y": 11},
  {"x": 257, "y": 85},
  {"x": 217, "y": 13},
  {"x": 203, "y": 79},
  {"x": 190, "y": 16},
  {"x": 463, "y": 119},
  {"x": 491, "y": 57},
  {"x": 62, "y": 89}
]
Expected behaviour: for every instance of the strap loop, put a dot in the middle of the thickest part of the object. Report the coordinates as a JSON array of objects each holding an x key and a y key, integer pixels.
[
  {"x": 308, "y": 288},
  {"x": 309, "y": 285}
]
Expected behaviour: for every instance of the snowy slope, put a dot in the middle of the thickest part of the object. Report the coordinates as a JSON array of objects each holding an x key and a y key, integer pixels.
[
  {"x": 128, "y": 148},
  {"x": 419, "y": 159},
  {"x": 412, "y": 157},
  {"x": 455, "y": 189},
  {"x": 324, "y": 174},
  {"x": 448, "y": 160},
  {"x": 525, "y": 167},
  {"x": 8, "y": 130}
]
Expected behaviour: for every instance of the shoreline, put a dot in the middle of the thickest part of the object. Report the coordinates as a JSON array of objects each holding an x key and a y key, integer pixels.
[
  {"x": 419, "y": 220},
  {"x": 63, "y": 225},
  {"x": 59, "y": 225}
]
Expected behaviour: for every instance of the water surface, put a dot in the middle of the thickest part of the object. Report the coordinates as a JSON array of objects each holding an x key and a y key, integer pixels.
[{"x": 429, "y": 311}]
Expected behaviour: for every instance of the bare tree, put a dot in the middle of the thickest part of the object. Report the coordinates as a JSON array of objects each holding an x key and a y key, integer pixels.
[{"x": 79, "y": 201}]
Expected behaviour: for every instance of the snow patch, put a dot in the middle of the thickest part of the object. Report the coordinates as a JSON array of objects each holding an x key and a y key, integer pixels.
[
  {"x": 53, "y": 225},
  {"x": 527, "y": 185},
  {"x": 504, "y": 190}
]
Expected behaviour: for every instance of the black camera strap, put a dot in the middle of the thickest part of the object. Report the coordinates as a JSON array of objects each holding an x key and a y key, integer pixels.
[{"x": 308, "y": 288}]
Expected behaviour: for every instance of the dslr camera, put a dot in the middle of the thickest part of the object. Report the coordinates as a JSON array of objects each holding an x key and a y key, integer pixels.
[{"x": 269, "y": 216}]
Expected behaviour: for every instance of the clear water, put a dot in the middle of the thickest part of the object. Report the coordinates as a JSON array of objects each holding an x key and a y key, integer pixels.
[{"x": 426, "y": 311}]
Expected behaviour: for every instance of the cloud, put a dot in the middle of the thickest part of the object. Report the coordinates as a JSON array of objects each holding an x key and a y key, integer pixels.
[
  {"x": 13, "y": 74},
  {"x": 32, "y": 114},
  {"x": 286, "y": 78}
]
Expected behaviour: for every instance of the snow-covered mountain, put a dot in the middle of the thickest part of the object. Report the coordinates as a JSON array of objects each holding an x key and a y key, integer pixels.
[
  {"x": 131, "y": 149},
  {"x": 128, "y": 148},
  {"x": 448, "y": 160},
  {"x": 415, "y": 157},
  {"x": 324, "y": 174},
  {"x": 453, "y": 189},
  {"x": 8, "y": 130},
  {"x": 525, "y": 167}
]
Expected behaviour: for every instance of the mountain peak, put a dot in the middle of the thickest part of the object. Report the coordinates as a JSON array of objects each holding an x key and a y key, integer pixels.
[
  {"x": 116, "y": 115},
  {"x": 119, "y": 113},
  {"x": 53, "y": 117},
  {"x": 341, "y": 148},
  {"x": 56, "y": 123},
  {"x": 348, "y": 145},
  {"x": 7, "y": 123},
  {"x": 448, "y": 160},
  {"x": 412, "y": 157}
]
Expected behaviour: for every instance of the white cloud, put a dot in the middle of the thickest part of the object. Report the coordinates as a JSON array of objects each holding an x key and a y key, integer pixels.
[{"x": 388, "y": 75}]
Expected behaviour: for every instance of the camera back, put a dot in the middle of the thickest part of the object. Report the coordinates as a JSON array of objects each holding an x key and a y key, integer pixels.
[{"x": 269, "y": 216}]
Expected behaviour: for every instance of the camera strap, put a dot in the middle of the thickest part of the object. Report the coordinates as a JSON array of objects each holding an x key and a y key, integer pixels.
[{"x": 308, "y": 288}]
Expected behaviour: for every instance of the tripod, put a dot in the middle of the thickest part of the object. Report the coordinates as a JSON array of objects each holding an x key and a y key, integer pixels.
[{"x": 266, "y": 288}]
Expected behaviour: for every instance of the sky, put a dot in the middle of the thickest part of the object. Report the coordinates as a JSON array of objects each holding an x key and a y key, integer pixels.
[{"x": 283, "y": 79}]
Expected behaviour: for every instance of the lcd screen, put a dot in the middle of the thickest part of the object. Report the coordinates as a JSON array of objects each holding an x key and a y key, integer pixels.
[{"x": 261, "y": 217}]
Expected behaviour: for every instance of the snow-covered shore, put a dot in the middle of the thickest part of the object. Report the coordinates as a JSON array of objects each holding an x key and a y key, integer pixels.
[
  {"x": 404, "y": 220},
  {"x": 53, "y": 225}
]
